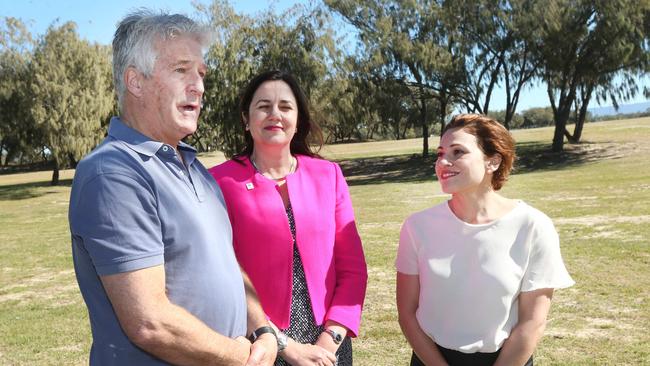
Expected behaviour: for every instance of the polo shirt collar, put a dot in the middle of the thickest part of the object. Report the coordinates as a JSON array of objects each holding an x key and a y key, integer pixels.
[
  {"x": 188, "y": 152},
  {"x": 132, "y": 138},
  {"x": 139, "y": 142}
]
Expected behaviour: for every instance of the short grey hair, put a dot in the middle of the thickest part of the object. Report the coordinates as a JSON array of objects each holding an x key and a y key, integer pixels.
[{"x": 135, "y": 40}]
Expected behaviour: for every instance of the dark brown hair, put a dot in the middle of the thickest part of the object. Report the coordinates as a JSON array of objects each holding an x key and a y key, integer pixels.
[
  {"x": 308, "y": 139},
  {"x": 492, "y": 138}
]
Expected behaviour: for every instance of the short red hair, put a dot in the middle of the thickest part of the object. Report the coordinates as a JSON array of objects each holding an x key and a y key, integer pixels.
[{"x": 492, "y": 138}]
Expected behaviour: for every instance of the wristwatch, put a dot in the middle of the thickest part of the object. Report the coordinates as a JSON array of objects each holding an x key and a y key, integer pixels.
[
  {"x": 283, "y": 341},
  {"x": 335, "y": 336},
  {"x": 261, "y": 330}
]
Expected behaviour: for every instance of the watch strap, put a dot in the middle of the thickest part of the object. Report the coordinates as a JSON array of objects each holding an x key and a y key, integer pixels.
[
  {"x": 261, "y": 330},
  {"x": 335, "y": 336}
]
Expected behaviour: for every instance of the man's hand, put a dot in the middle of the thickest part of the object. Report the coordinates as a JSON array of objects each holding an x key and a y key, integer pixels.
[
  {"x": 263, "y": 351},
  {"x": 243, "y": 340}
]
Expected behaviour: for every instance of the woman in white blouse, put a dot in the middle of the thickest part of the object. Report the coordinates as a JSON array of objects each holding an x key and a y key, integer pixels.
[{"x": 476, "y": 274}]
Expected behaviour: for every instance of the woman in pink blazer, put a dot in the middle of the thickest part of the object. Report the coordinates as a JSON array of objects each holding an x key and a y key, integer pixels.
[{"x": 293, "y": 226}]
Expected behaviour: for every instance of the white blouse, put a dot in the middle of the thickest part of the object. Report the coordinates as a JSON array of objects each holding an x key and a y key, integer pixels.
[{"x": 471, "y": 275}]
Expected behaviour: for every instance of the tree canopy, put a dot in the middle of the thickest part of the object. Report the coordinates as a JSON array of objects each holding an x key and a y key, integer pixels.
[
  {"x": 71, "y": 93},
  {"x": 374, "y": 69}
]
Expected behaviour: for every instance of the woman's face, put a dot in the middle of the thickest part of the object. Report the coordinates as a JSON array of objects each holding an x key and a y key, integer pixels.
[
  {"x": 461, "y": 165},
  {"x": 272, "y": 114}
]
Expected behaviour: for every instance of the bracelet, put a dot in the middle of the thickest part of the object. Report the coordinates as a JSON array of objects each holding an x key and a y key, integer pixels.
[{"x": 261, "y": 330}]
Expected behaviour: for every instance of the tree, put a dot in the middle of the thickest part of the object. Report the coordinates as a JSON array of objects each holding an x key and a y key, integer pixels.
[
  {"x": 409, "y": 42},
  {"x": 584, "y": 44},
  {"x": 18, "y": 137},
  {"x": 360, "y": 105},
  {"x": 71, "y": 94},
  {"x": 297, "y": 41},
  {"x": 537, "y": 117},
  {"x": 499, "y": 51}
]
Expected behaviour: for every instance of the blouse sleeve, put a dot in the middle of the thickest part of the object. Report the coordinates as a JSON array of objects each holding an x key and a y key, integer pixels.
[
  {"x": 407, "y": 258},
  {"x": 545, "y": 265},
  {"x": 351, "y": 271}
]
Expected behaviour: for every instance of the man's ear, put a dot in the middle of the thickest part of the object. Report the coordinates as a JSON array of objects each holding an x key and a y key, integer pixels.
[
  {"x": 133, "y": 81},
  {"x": 493, "y": 163}
]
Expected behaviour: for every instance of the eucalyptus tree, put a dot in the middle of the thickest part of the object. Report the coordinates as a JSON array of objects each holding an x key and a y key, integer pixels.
[
  {"x": 298, "y": 40},
  {"x": 341, "y": 113},
  {"x": 71, "y": 94},
  {"x": 18, "y": 137},
  {"x": 408, "y": 42},
  {"x": 497, "y": 34},
  {"x": 362, "y": 106},
  {"x": 583, "y": 45}
]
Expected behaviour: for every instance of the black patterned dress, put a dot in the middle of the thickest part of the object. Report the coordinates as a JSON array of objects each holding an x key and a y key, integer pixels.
[{"x": 302, "y": 326}]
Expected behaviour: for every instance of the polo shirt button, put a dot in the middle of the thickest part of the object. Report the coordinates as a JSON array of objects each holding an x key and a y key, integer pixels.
[{"x": 165, "y": 148}]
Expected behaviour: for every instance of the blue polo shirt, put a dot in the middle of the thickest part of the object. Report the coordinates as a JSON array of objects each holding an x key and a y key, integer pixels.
[{"x": 134, "y": 205}]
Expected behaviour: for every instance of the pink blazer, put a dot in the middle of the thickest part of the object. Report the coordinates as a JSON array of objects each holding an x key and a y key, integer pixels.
[{"x": 326, "y": 235}]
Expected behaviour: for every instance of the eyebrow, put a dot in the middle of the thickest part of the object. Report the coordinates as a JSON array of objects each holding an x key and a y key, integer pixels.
[
  {"x": 202, "y": 65},
  {"x": 262, "y": 101},
  {"x": 180, "y": 62},
  {"x": 269, "y": 101},
  {"x": 452, "y": 145}
]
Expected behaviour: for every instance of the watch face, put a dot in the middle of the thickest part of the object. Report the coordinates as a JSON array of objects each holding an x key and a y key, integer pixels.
[
  {"x": 282, "y": 341},
  {"x": 335, "y": 336}
]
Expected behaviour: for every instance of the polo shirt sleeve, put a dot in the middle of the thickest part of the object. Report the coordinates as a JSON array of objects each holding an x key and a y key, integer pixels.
[
  {"x": 116, "y": 219},
  {"x": 545, "y": 265},
  {"x": 407, "y": 256}
]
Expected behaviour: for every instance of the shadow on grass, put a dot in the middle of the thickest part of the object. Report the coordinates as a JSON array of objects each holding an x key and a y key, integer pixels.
[
  {"x": 536, "y": 156},
  {"x": 532, "y": 156},
  {"x": 29, "y": 190},
  {"x": 388, "y": 169}
]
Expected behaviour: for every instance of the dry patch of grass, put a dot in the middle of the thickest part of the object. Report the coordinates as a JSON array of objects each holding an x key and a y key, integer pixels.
[{"x": 602, "y": 220}]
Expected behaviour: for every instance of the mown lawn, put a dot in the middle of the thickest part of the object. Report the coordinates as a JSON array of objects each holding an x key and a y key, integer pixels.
[{"x": 597, "y": 193}]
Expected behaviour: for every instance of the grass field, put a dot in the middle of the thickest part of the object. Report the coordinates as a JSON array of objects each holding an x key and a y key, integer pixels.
[{"x": 597, "y": 192}]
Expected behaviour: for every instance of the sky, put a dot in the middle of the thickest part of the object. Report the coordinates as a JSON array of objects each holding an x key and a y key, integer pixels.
[{"x": 96, "y": 22}]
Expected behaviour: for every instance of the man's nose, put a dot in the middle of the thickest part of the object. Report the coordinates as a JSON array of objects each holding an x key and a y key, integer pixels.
[{"x": 196, "y": 84}]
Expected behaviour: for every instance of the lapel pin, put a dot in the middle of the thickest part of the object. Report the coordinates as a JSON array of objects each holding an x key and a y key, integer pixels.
[{"x": 249, "y": 186}]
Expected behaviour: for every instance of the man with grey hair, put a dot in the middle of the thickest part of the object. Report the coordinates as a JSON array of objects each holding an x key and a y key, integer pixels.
[{"x": 151, "y": 239}]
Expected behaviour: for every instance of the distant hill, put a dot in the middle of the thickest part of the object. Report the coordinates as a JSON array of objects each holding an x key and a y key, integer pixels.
[{"x": 623, "y": 109}]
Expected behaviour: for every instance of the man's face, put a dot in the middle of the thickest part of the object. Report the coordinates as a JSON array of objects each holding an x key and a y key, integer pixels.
[{"x": 172, "y": 94}]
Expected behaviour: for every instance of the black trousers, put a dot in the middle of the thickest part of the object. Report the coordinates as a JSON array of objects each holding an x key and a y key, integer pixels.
[{"x": 456, "y": 358}]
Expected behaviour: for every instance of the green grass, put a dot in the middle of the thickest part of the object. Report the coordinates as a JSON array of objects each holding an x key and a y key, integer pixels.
[{"x": 597, "y": 194}]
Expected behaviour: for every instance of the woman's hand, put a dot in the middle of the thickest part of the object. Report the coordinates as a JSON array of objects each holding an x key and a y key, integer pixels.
[
  {"x": 326, "y": 341},
  {"x": 298, "y": 354}
]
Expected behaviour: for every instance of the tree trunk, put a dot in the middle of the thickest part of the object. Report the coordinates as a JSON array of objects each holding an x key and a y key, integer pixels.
[
  {"x": 3, "y": 162},
  {"x": 561, "y": 118},
  {"x": 73, "y": 161},
  {"x": 508, "y": 117},
  {"x": 443, "y": 112},
  {"x": 403, "y": 133},
  {"x": 581, "y": 115},
  {"x": 425, "y": 125},
  {"x": 55, "y": 173},
  {"x": 580, "y": 122},
  {"x": 395, "y": 129}
]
